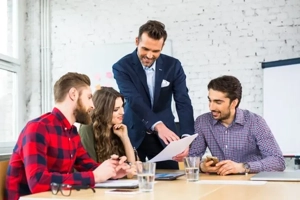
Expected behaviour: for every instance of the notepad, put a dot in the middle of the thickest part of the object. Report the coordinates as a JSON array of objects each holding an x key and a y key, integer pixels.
[{"x": 118, "y": 184}]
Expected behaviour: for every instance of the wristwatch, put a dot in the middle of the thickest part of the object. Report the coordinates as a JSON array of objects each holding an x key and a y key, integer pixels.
[{"x": 247, "y": 168}]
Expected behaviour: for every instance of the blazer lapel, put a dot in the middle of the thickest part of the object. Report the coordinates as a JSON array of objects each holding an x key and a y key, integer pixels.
[
  {"x": 159, "y": 74},
  {"x": 140, "y": 73}
]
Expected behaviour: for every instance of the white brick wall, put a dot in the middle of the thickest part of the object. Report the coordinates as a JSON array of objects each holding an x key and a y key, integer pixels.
[
  {"x": 32, "y": 59},
  {"x": 211, "y": 38}
]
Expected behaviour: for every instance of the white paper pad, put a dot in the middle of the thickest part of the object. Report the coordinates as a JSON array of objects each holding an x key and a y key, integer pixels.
[
  {"x": 117, "y": 184},
  {"x": 173, "y": 149},
  {"x": 230, "y": 182},
  {"x": 122, "y": 191}
]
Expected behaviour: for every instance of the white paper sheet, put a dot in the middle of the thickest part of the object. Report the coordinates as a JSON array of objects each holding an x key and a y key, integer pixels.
[
  {"x": 117, "y": 183},
  {"x": 122, "y": 191},
  {"x": 173, "y": 149},
  {"x": 230, "y": 182}
]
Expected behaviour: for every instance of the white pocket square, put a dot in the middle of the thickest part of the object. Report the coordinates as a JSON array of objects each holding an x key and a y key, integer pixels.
[{"x": 165, "y": 83}]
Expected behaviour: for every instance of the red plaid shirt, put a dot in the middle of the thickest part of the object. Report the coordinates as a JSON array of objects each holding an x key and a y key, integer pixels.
[{"x": 48, "y": 149}]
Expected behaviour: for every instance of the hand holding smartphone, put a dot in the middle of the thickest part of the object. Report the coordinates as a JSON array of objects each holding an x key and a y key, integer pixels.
[{"x": 212, "y": 158}]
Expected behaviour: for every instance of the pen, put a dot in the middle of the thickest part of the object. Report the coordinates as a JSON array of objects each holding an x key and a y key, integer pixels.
[
  {"x": 135, "y": 154},
  {"x": 126, "y": 161}
]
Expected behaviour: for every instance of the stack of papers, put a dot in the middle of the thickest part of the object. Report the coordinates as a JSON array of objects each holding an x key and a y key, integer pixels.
[{"x": 118, "y": 184}]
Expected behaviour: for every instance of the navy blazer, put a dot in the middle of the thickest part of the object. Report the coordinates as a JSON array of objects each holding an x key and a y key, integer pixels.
[{"x": 139, "y": 115}]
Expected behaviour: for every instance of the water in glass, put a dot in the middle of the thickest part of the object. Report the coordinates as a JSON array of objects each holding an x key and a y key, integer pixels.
[
  {"x": 146, "y": 182},
  {"x": 192, "y": 174}
]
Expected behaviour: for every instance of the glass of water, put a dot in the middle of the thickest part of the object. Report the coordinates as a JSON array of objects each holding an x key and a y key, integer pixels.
[
  {"x": 191, "y": 165},
  {"x": 146, "y": 175}
]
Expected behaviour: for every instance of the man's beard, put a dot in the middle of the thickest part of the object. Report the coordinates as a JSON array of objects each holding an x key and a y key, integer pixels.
[
  {"x": 81, "y": 115},
  {"x": 223, "y": 116}
]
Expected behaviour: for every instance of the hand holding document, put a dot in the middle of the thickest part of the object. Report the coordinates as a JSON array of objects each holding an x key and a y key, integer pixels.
[{"x": 173, "y": 149}]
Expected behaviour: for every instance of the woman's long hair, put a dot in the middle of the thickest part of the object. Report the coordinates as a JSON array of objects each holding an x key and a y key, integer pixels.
[{"x": 106, "y": 142}]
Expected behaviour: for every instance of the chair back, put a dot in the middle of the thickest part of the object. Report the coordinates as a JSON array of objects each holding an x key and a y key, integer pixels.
[
  {"x": 3, "y": 169},
  {"x": 181, "y": 165}
]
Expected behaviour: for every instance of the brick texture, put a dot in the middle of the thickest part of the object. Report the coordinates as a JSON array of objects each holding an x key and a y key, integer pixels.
[{"x": 211, "y": 38}]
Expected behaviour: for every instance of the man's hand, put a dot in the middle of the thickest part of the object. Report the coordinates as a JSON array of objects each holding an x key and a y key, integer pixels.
[
  {"x": 122, "y": 168},
  {"x": 165, "y": 134},
  {"x": 229, "y": 167},
  {"x": 206, "y": 166},
  {"x": 105, "y": 170},
  {"x": 179, "y": 157}
]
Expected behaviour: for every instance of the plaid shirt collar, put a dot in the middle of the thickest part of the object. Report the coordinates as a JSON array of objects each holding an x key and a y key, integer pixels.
[
  {"x": 239, "y": 118},
  {"x": 63, "y": 120}
]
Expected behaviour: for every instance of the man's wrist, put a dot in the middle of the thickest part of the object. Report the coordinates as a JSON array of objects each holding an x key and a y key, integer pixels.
[
  {"x": 96, "y": 178},
  {"x": 246, "y": 168},
  {"x": 201, "y": 169},
  {"x": 157, "y": 125},
  {"x": 185, "y": 135}
]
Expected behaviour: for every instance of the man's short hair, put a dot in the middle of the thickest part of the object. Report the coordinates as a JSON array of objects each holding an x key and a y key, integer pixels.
[
  {"x": 229, "y": 85},
  {"x": 154, "y": 29},
  {"x": 66, "y": 82}
]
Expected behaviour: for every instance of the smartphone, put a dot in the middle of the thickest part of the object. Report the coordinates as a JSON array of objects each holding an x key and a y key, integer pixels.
[
  {"x": 122, "y": 191},
  {"x": 213, "y": 158}
]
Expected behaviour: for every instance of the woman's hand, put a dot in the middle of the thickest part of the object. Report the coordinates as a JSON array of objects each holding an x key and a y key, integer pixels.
[
  {"x": 132, "y": 171},
  {"x": 120, "y": 130}
]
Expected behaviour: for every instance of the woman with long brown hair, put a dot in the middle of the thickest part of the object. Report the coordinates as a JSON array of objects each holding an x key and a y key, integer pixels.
[{"x": 106, "y": 135}]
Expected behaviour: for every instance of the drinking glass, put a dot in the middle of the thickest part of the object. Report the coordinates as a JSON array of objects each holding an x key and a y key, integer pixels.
[
  {"x": 191, "y": 165},
  {"x": 146, "y": 175}
]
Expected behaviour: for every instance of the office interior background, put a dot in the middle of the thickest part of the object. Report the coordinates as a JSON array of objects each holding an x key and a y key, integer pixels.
[{"x": 39, "y": 40}]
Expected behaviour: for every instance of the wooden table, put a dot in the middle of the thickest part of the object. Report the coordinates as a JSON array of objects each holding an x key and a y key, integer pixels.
[{"x": 180, "y": 189}]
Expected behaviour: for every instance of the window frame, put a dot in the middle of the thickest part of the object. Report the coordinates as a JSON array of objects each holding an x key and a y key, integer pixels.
[
  {"x": 15, "y": 54},
  {"x": 14, "y": 68},
  {"x": 15, "y": 63}
]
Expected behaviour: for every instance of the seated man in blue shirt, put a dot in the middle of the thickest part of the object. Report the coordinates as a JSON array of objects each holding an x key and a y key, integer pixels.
[{"x": 240, "y": 139}]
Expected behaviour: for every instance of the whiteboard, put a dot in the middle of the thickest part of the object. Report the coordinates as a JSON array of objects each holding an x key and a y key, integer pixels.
[
  {"x": 281, "y": 108},
  {"x": 96, "y": 61}
]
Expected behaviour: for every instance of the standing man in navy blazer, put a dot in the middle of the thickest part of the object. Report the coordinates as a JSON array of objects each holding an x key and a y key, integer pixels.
[{"x": 148, "y": 80}]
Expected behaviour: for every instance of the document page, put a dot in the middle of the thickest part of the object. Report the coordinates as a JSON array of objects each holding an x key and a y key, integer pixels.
[
  {"x": 173, "y": 149},
  {"x": 230, "y": 182},
  {"x": 118, "y": 184}
]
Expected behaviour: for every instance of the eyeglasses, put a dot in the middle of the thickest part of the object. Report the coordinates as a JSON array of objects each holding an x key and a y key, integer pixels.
[{"x": 66, "y": 189}]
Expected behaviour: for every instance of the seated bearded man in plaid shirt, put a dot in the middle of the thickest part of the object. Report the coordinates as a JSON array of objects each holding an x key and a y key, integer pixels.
[
  {"x": 49, "y": 147},
  {"x": 240, "y": 139}
]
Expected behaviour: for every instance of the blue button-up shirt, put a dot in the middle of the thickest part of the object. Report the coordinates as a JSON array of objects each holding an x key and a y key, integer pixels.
[
  {"x": 150, "y": 74},
  {"x": 247, "y": 140}
]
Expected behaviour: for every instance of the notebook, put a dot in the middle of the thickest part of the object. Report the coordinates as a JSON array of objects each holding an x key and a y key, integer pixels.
[
  {"x": 126, "y": 184},
  {"x": 277, "y": 176},
  {"x": 168, "y": 176}
]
